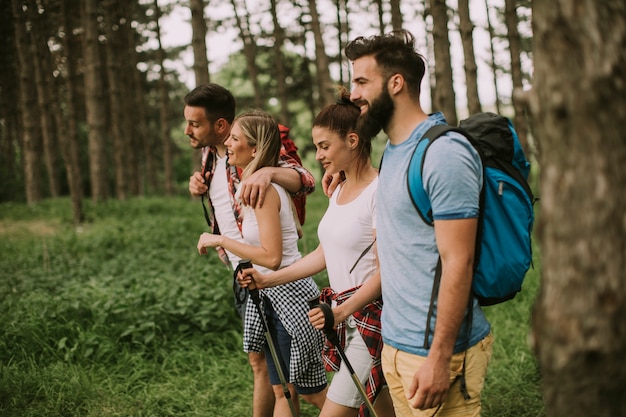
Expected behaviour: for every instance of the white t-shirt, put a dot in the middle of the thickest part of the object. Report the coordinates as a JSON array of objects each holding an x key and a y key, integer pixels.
[
  {"x": 222, "y": 206},
  {"x": 344, "y": 232}
]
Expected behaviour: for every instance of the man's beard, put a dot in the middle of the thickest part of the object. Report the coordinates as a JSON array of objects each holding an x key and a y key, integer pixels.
[{"x": 377, "y": 115}]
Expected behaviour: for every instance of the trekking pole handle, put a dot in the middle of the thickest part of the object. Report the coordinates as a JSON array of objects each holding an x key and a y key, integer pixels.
[
  {"x": 329, "y": 318},
  {"x": 246, "y": 264},
  {"x": 313, "y": 302}
]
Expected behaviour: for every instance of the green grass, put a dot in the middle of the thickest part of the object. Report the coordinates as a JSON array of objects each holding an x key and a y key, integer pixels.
[
  {"x": 122, "y": 317},
  {"x": 513, "y": 380}
]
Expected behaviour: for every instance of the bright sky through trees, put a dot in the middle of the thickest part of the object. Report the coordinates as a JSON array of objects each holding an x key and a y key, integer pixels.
[{"x": 176, "y": 29}]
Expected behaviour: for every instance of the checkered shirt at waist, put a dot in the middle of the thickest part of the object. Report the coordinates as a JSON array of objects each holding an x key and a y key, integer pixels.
[
  {"x": 290, "y": 303},
  {"x": 368, "y": 324}
]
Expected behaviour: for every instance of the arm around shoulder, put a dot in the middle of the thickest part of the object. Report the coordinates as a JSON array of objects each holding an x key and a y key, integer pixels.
[{"x": 305, "y": 184}]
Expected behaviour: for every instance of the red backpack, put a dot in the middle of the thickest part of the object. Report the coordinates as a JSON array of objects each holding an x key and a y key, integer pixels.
[{"x": 292, "y": 150}]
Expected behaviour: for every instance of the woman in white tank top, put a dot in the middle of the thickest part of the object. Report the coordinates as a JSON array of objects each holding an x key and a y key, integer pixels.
[{"x": 271, "y": 242}]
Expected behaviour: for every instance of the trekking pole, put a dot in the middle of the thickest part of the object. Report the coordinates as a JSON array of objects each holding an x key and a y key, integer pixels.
[
  {"x": 331, "y": 335},
  {"x": 254, "y": 294}
]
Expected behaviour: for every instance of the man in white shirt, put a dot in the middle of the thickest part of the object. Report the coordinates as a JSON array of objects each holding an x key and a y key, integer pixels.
[{"x": 209, "y": 112}]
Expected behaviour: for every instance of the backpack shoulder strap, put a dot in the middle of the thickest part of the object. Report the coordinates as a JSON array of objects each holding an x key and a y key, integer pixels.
[
  {"x": 414, "y": 173},
  {"x": 362, "y": 255}
]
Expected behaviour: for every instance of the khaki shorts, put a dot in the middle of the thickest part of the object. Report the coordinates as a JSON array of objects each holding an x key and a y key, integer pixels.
[{"x": 399, "y": 368}]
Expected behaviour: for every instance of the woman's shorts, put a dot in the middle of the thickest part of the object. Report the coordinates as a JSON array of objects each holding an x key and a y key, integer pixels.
[
  {"x": 342, "y": 389},
  {"x": 282, "y": 343}
]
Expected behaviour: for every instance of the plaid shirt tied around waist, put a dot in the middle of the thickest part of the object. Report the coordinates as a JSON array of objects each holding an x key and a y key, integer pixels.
[{"x": 368, "y": 324}]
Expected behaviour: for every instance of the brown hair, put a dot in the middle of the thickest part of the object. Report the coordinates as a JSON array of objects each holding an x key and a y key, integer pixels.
[
  {"x": 216, "y": 100},
  {"x": 342, "y": 118},
  {"x": 395, "y": 53}
]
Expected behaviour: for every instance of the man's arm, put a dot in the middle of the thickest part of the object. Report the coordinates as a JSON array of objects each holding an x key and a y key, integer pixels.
[
  {"x": 330, "y": 182},
  {"x": 455, "y": 241},
  {"x": 289, "y": 174}
]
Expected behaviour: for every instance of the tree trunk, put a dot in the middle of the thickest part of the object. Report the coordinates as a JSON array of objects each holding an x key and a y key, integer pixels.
[
  {"x": 343, "y": 30},
  {"x": 307, "y": 80},
  {"x": 396, "y": 14},
  {"x": 163, "y": 101},
  {"x": 43, "y": 78},
  {"x": 9, "y": 111},
  {"x": 324, "y": 81},
  {"x": 62, "y": 132},
  {"x": 515, "y": 48},
  {"x": 430, "y": 59},
  {"x": 8, "y": 155},
  {"x": 146, "y": 159},
  {"x": 249, "y": 51},
  {"x": 444, "y": 99},
  {"x": 94, "y": 102},
  {"x": 281, "y": 74},
  {"x": 121, "y": 143},
  {"x": 32, "y": 147},
  {"x": 200, "y": 59},
  {"x": 130, "y": 111},
  {"x": 579, "y": 114},
  {"x": 493, "y": 64},
  {"x": 69, "y": 140},
  {"x": 466, "y": 28},
  {"x": 380, "y": 14},
  {"x": 198, "y": 42}
]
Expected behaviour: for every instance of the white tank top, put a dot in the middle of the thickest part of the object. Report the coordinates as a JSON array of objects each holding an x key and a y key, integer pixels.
[{"x": 250, "y": 230}]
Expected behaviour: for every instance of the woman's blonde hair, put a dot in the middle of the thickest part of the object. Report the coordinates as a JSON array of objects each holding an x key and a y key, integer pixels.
[{"x": 261, "y": 130}]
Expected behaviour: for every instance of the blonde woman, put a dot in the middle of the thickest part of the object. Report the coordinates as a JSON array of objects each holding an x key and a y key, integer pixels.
[{"x": 271, "y": 242}]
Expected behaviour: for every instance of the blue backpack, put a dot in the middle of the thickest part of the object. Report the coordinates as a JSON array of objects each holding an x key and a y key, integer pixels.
[{"x": 503, "y": 244}]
